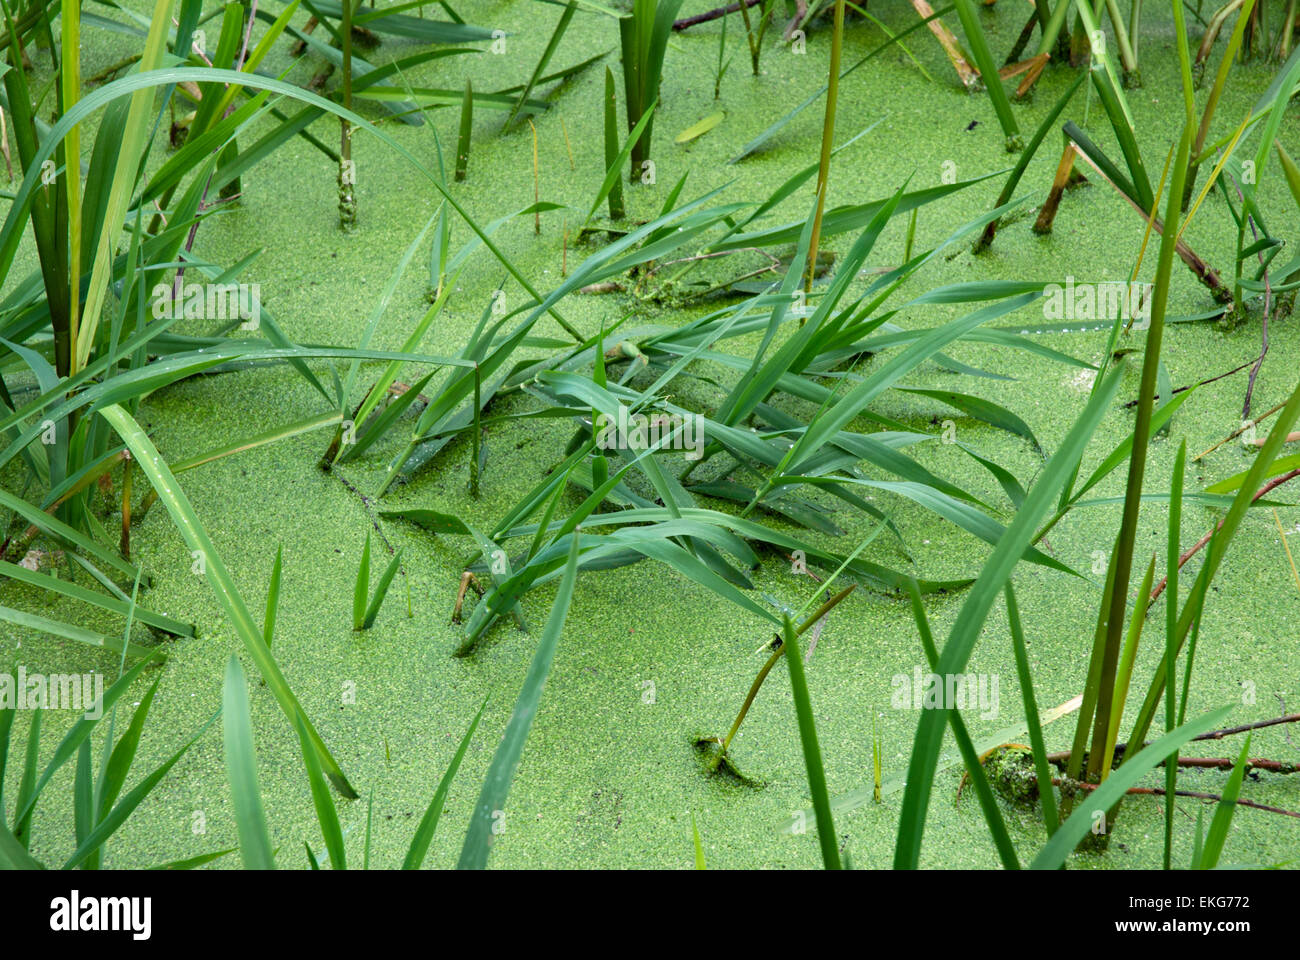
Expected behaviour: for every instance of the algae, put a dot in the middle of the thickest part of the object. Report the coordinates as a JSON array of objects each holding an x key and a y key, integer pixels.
[{"x": 608, "y": 779}]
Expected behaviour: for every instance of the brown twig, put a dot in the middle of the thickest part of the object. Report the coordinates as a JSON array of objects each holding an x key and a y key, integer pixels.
[
  {"x": 1194, "y": 794},
  {"x": 467, "y": 580},
  {"x": 715, "y": 14},
  {"x": 1200, "y": 383},
  {"x": 1273, "y": 766},
  {"x": 1247, "y": 727},
  {"x": 1239, "y": 431},
  {"x": 1271, "y": 485},
  {"x": 366, "y": 502}
]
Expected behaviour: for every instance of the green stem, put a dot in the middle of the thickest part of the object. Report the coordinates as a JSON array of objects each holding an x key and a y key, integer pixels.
[{"x": 828, "y": 137}]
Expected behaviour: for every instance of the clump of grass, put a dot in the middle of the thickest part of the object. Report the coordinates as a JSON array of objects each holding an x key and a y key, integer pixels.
[
  {"x": 101, "y": 806},
  {"x": 644, "y": 38},
  {"x": 363, "y": 612}
]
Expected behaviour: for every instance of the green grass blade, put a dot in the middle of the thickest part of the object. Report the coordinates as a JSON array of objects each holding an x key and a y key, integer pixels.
[
  {"x": 326, "y": 813},
  {"x": 699, "y": 847},
  {"x": 70, "y": 631},
  {"x": 429, "y": 822},
  {"x": 119, "y": 763},
  {"x": 611, "y": 147},
  {"x": 218, "y": 577},
  {"x": 996, "y": 572},
  {"x": 381, "y": 590},
  {"x": 123, "y": 183},
  {"x": 812, "y": 754},
  {"x": 193, "y": 863},
  {"x": 465, "y": 132},
  {"x": 989, "y": 73},
  {"x": 13, "y": 855},
  {"x": 542, "y": 61},
  {"x": 1046, "y": 792},
  {"x": 272, "y": 598},
  {"x": 496, "y": 786},
  {"x": 1223, "y": 811},
  {"x": 1173, "y": 553},
  {"x": 361, "y": 592},
  {"x": 1063, "y": 842},
  {"x": 77, "y": 592},
  {"x": 30, "y": 790},
  {"x": 970, "y": 756},
  {"x": 241, "y": 769},
  {"x": 128, "y": 804},
  {"x": 616, "y": 168}
]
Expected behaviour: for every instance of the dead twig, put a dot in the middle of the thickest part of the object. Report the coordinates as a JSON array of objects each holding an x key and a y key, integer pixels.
[
  {"x": 1271, "y": 485},
  {"x": 717, "y": 13},
  {"x": 1194, "y": 794}
]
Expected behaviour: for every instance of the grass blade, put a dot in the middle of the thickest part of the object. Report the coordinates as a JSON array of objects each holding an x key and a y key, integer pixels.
[
  {"x": 429, "y": 822},
  {"x": 1046, "y": 793},
  {"x": 223, "y": 585},
  {"x": 1223, "y": 811},
  {"x": 812, "y": 754},
  {"x": 496, "y": 786},
  {"x": 326, "y": 814},
  {"x": 961, "y": 640},
  {"x": 241, "y": 769},
  {"x": 1063, "y": 842},
  {"x": 361, "y": 592}
]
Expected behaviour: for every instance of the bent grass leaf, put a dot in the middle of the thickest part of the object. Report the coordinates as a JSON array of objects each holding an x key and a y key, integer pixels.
[{"x": 223, "y": 586}]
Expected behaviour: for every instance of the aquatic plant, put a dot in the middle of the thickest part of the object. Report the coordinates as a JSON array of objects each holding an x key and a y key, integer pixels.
[
  {"x": 363, "y": 612},
  {"x": 728, "y": 405},
  {"x": 643, "y": 37}
]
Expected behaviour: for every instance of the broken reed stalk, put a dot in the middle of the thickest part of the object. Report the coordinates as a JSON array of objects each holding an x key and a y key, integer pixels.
[
  {"x": 1064, "y": 174},
  {"x": 817, "y": 615},
  {"x": 466, "y": 128},
  {"x": 537, "y": 190},
  {"x": 828, "y": 138},
  {"x": 347, "y": 169}
]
